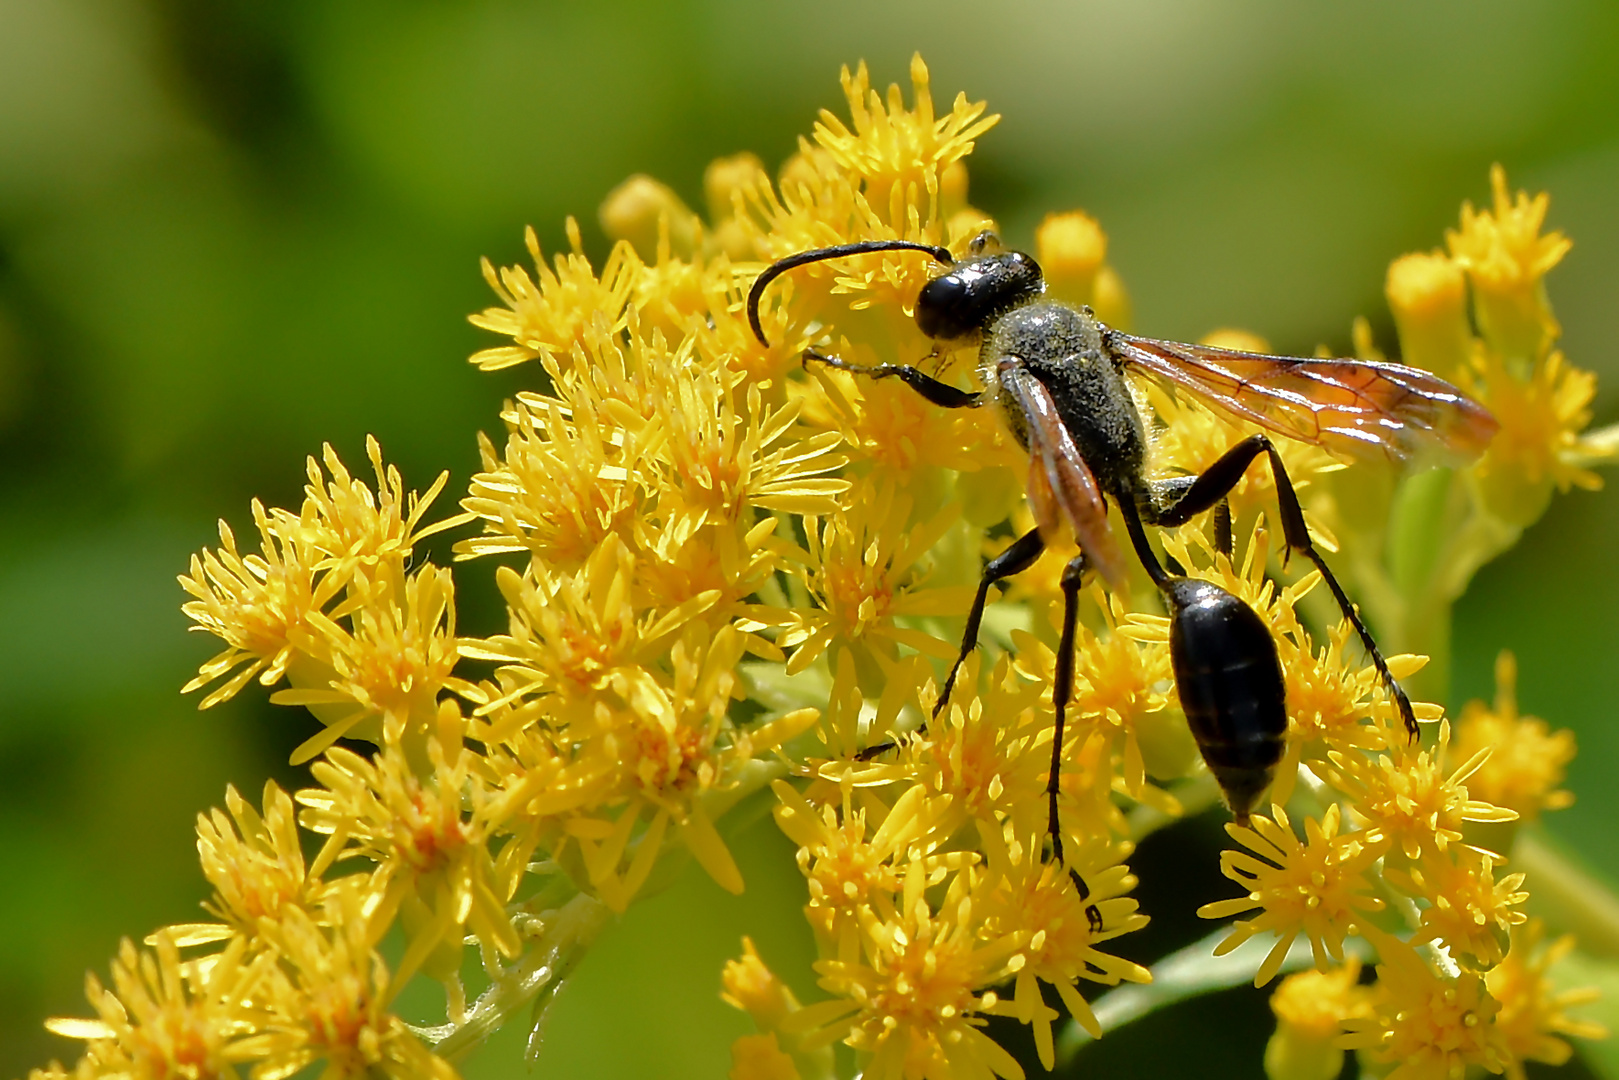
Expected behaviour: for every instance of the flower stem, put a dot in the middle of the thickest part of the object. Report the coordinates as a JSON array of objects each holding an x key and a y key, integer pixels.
[
  {"x": 567, "y": 936},
  {"x": 1571, "y": 897},
  {"x": 1183, "y": 974}
]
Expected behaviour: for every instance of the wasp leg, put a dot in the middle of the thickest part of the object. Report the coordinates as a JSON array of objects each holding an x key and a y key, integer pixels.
[
  {"x": 1138, "y": 539},
  {"x": 1224, "y": 542},
  {"x": 1216, "y": 483},
  {"x": 1170, "y": 491},
  {"x": 1018, "y": 557},
  {"x": 1062, "y": 687},
  {"x": 939, "y": 393},
  {"x": 1014, "y": 560}
]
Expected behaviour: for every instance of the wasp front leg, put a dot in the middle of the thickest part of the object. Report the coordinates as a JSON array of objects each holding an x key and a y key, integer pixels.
[
  {"x": 940, "y": 393},
  {"x": 1215, "y": 484}
]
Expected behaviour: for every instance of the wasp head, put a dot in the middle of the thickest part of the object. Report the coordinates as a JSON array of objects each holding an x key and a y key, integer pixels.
[{"x": 974, "y": 291}]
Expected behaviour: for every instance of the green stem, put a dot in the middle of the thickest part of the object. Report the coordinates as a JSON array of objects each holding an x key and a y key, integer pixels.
[
  {"x": 568, "y": 934},
  {"x": 1417, "y": 535},
  {"x": 1417, "y": 529},
  {"x": 1188, "y": 973},
  {"x": 1569, "y": 896},
  {"x": 1427, "y": 631}
]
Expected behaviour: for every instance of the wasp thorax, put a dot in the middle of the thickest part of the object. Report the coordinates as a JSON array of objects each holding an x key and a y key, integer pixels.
[
  {"x": 1230, "y": 684},
  {"x": 974, "y": 291}
]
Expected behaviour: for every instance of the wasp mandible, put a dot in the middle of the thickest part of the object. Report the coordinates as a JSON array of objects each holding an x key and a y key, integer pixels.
[{"x": 1057, "y": 373}]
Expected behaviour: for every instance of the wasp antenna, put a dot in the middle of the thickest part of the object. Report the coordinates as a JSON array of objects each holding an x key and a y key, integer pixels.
[{"x": 838, "y": 251}]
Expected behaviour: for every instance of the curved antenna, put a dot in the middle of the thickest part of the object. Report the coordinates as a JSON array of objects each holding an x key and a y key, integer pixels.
[{"x": 792, "y": 262}]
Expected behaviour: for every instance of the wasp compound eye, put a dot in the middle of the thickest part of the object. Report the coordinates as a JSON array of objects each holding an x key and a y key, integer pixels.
[
  {"x": 1230, "y": 684},
  {"x": 940, "y": 306}
]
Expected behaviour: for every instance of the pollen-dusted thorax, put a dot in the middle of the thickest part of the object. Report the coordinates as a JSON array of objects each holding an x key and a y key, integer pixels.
[{"x": 1064, "y": 348}]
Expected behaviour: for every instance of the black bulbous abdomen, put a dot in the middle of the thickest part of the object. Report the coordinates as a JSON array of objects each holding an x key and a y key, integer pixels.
[{"x": 1229, "y": 679}]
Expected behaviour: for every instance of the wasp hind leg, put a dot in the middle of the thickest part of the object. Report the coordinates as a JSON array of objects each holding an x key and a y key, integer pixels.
[
  {"x": 1167, "y": 492},
  {"x": 940, "y": 393},
  {"x": 1176, "y": 505},
  {"x": 1062, "y": 687}
]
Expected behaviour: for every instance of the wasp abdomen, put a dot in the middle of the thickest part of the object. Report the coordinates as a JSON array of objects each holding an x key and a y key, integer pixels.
[{"x": 1230, "y": 684}]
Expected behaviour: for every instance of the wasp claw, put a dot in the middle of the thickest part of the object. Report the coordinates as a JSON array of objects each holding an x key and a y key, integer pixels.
[{"x": 876, "y": 750}]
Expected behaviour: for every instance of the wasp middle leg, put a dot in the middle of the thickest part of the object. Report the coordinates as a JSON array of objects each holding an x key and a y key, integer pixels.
[
  {"x": 1062, "y": 689},
  {"x": 1212, "y": 487},
  {"x": 1018, "y": 557}
]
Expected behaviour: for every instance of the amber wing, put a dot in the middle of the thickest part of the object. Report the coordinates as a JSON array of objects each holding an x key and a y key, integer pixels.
[
  {"x": 1060, "y": 483},
  {"x": 1353, "y": 407}
]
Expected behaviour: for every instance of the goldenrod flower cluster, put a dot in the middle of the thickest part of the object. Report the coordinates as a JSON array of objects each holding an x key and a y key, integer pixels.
[{"x": 727, "y": 576}]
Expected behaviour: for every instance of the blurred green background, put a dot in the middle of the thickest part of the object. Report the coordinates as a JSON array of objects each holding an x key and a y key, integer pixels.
[{"x": 230, "y": 231}]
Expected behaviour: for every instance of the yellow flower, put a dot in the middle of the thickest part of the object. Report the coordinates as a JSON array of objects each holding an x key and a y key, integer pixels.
[
  {"x": 568, "y": 475},
  {"x": 848, "y": 870},
  {"x": 432, "y": 862},
  {"x": 255, "y": 603},
  {"x": 86, "y": 1069},
  {"x": 678, "y": 497},
  {"x": 351, "y": 523},
  {"x": 722, "y": 458},
  {"x": 1310, "y": 1009},
  {"x": 862, "y": 571},
  {"x": 893, "y": 151},
  {"x": 1533, "y": 1012},
  {"x": 1539, "y": 445},
  {"x": 728, "y": 183},
  {"x": 1527, "y": 759},
  {"x": 321, "y": 605},
  {"x": 1430, "y": 1026},
  {"x": 1318, "y": 888},
  {"x": 577, "y": 636},
  {"x": 255, "y": 864},
  {"x": 332, "y": 1004},
  {"x": 914, "y": 996},
  {"x": 1071, "y": 249},
  {"x": 1468, "y": 910},
  {"x": 550, "y": 318},
  {"x": 649, "y": 215},
  {"x": 388, "y": 666},
  {"x": 1037, "y": 902},
  {"x": 1329, "y": 701},
  {"x": 683, "y": 746},
  {"x": 1406, "y": 795},
  {"x": 1506, "y": 258},
  {"x": 1121, "y": 679},
  {"x": 639, "y": 742},
  {"x": 1427, "y": 295},
  {"x": 754, "y": 988},
  {"x": 988, "y": 751},
  {"x": 166, "y": 1018}
]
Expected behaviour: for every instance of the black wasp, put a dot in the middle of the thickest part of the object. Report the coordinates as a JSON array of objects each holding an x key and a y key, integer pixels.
[{"x": 1058, "y": 375}]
